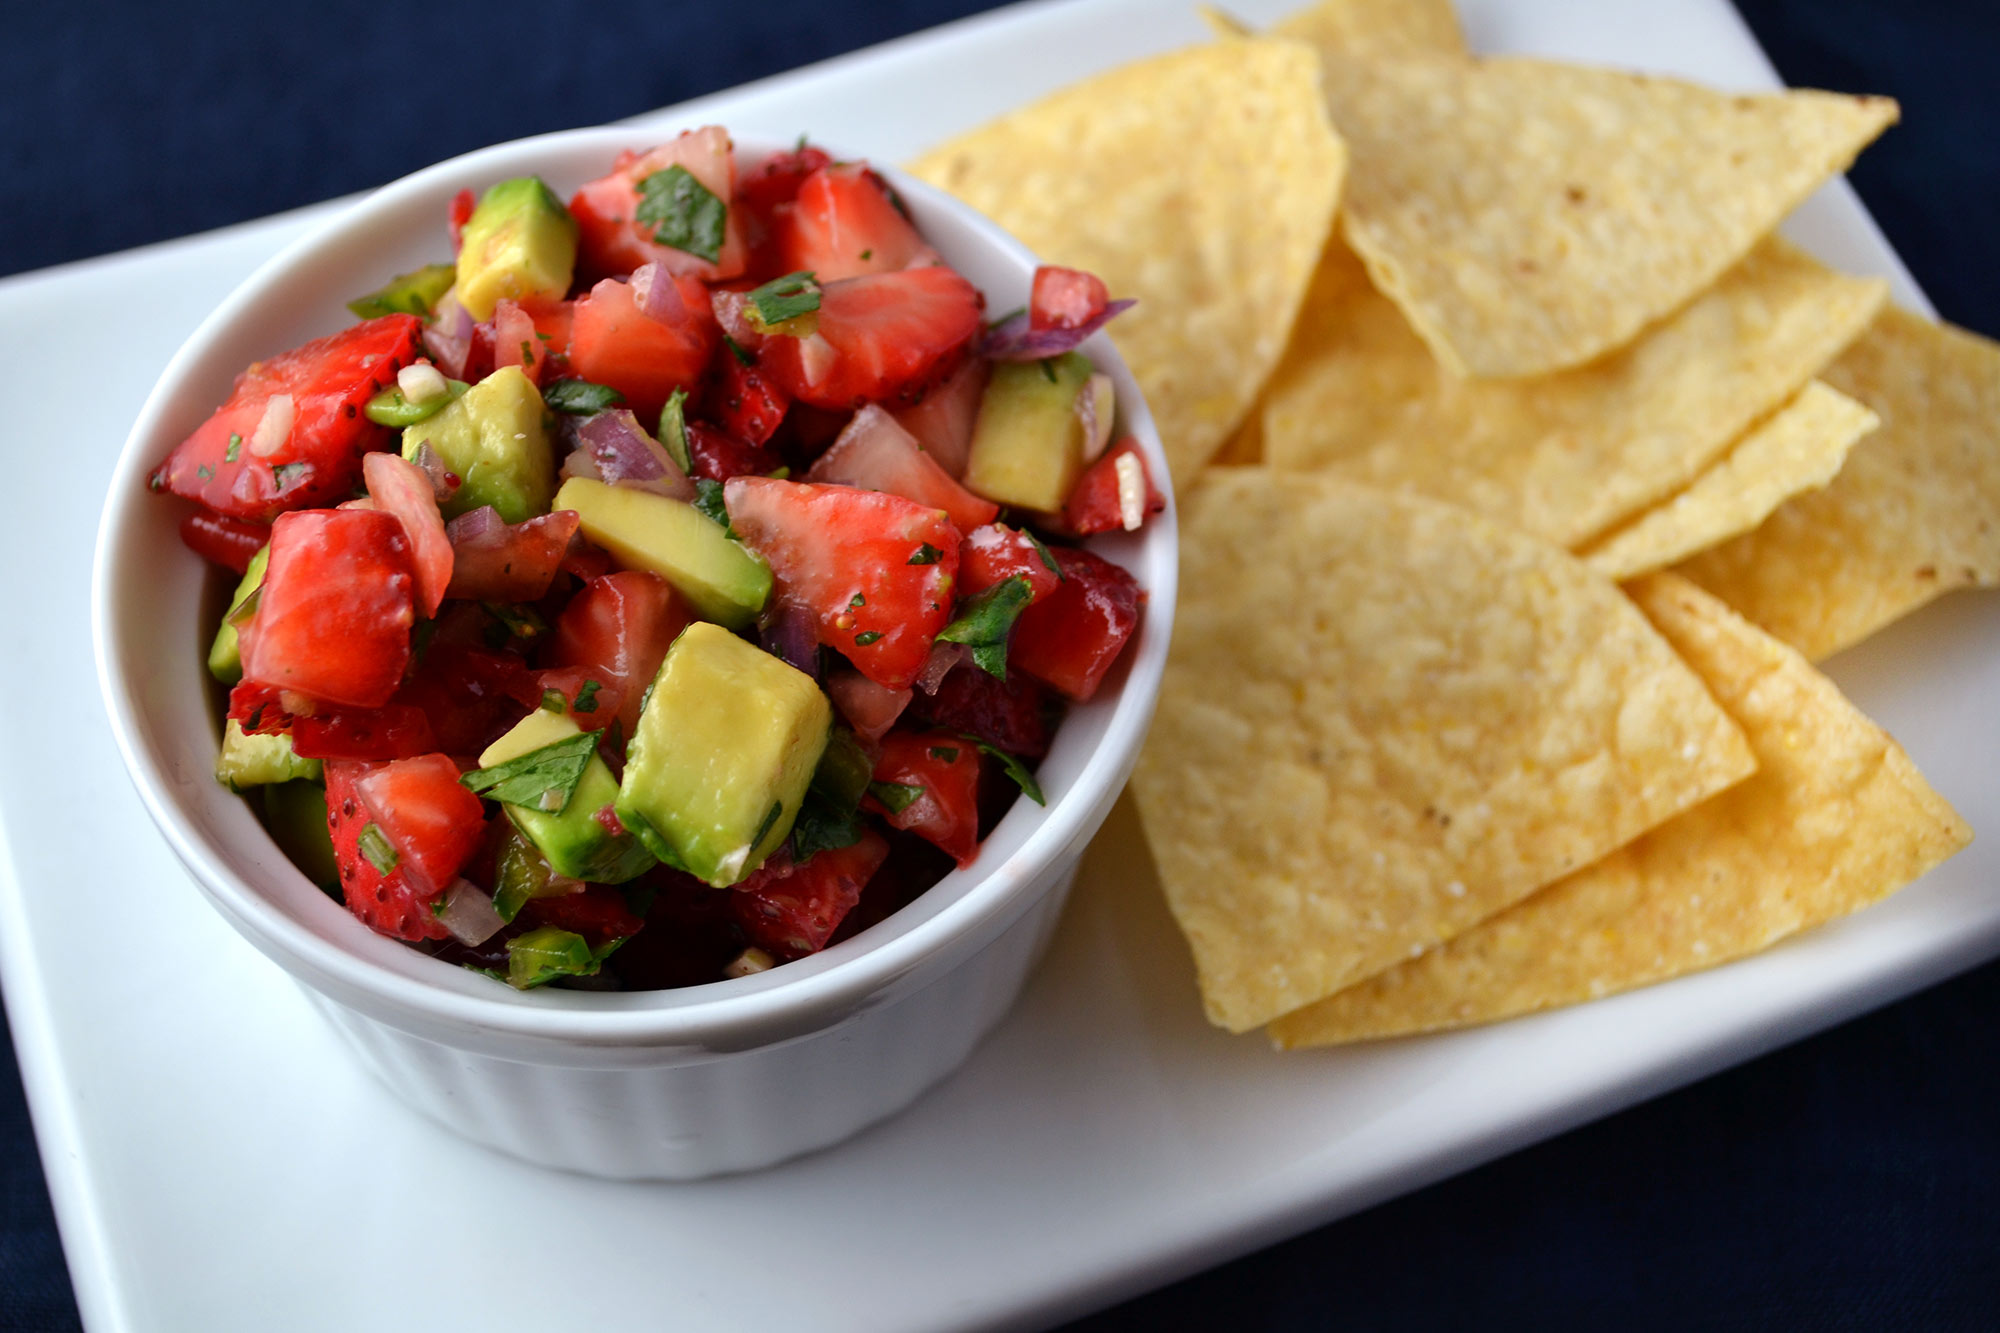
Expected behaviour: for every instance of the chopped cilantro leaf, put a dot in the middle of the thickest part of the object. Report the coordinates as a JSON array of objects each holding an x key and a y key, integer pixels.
[
  {"x": 784, "y": 299},
  {"x": 581, "y": 398},
  {"x": 771, "y": 818},
  {"x": 947, "y": 754},
  {"x": 520, "y": 621},
  {"x": 235, "y": 448},
  {"x": 381, "y": 854},
  {"x": 866, "y": 637},
  {"x": 1015, "y": 769},
  {"x": 867, "y": 254},
  {"x": 985, "y": 622},
  {"x": 857, "y": 600},
  {"x": 708, "y": 499},
  {"x": 1048, "y": 369},
  {"x": 553, "y": 702},
  {"x": 683, "y": 213},
  {"x": 1047, "y": 558},
  {"x": 674, "y": 431},
  {"x": 822, "y": 827},
  {"x": 586, "y": 697},
  {"x": 743, "y": 358},
  {"x": 204, "y": 471},
  {"x": 527, "y": 353},
  {"x": 926, "y": 555},
  {"x": 534, "y": 778},
  {"x": 283, "y": 473},
  {"x": 898, "y": 796}
]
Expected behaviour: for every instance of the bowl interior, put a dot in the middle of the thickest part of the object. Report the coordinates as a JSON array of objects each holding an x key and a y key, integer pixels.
[{"x": 156, "y": 605}]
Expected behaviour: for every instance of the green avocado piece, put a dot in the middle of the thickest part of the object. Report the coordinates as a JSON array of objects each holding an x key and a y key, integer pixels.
[
  {"x": 412, "y": 293},
  {"x": 572, "y": 839},
  {"x": 519, "y": 244},
  {"x": 726, "y": 582},
  {"x": 225, "y": 655},
  {"x": 253, "y": 761},
  {"x": 295, "y": 814},
  {"x": 493, "y": 436},
  {"x": 539, "y": 956},
  {"x": 389, "y": 407},
  {"x": 1027, "y": 442},
  {"x": 722, "y": 755}
]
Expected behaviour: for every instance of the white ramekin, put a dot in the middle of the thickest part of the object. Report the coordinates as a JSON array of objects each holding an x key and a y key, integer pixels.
[{"x": 662, "y": 1084}]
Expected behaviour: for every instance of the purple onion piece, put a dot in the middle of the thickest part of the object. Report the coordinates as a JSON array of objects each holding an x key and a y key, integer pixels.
[
  {"x": 444, "y": 482},
  {"x": 476, "y": 525},
  {"x": 944, "y": 656},
  {"x": 448, "y": 337},
  {"x": 790, "y": 632},
  {"x": 657, "y": 295},
  {"x": 469, "y": 914},
  {"x": 1013, "y": 340},
  {"x": 621, "y": 450}
]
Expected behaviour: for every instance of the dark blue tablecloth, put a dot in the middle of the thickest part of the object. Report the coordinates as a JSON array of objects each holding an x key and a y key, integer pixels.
[{"x": 1852, "y": 1181}]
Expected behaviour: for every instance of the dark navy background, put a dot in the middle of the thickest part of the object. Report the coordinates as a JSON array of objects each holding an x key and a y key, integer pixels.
[{"x": 1852, "y": 1181}]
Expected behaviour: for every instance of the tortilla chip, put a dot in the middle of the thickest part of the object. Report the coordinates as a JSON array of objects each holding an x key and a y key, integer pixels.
[
  {"x": 1387, "y": 27},
  {"x": 1835, "y": 818},
  {"x": 1222, "y": 23},
  {"x": 1203, "y": 183},
  {"x": 1245, "y": 448},
  {"x": 1529, "y": 216},
  {"x": 1914, "y": 514},
  {"x": 1569, "y": 455},
  {"x": 1799, "y": 449},
  {"x": 1385, "y": 719}
]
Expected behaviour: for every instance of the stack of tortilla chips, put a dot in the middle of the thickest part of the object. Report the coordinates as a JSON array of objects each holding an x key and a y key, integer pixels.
[{"x": 1523, "y": 472}]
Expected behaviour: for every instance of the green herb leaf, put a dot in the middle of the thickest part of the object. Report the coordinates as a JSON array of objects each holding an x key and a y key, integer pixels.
[
  {"x": 1014, "y": 769},
  {"x": 581, "y": 398},
  {"x": 743, "y": 358},
  {"x": 898, "y": 796},
  {"x": 533, "y": 778},
  {"x": 823, "y": 827},
  {"x": 520, "y": 621},
  {"x": 844, "y": 770},
  {"x": 205, "y": 471},
  {"x": 378, "y": 850},
  {"x": 946, "y": 754},
  {"x": 674, "y": 431},
  {"x": 682, "y": 212},
  {"x": 553, "y": 702},
  {"x": 548, "y": 952},
  {"x": 708, "y": 499},
  {"x": 235, "y": 448},
  {"x": 1047, "y": 558},
  {"x": 1048, "y": 369},
  {"x": 857, "y": 600},
  {"x": 985, "y": 621},
  {"x": 866, "y": 637},
  {"x": 285, "y": 473},
  {"x": 926, "y": 555},
  {"x": 586, "y": 697},
  {"x": 771, "y": 819},
  {"x": 783, "y": 299}
]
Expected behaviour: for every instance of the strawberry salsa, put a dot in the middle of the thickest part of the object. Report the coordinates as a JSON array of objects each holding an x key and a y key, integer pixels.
[{"x": 676, "y": 581}]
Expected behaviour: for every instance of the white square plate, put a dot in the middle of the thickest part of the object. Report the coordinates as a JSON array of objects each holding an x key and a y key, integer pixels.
[{"x": 217, "y": 1163}]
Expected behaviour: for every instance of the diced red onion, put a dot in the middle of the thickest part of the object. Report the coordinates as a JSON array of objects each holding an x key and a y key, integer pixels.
[
  {"x": 657, "y": 295},
  {"x": 944, "y": 656},
  {"x": 468, "y": 914},
  {"x": 1013, "y": 339},
  {"x": 790, "y": 632},
  {"x": 731, "y": 312},
  {"x": 444, "y": 482},
  {"x": 474, "y": 525},
  {"x": 448, "y": 337},
  {"x": 624, "y": 452},
  {"x": 495, "y": 561}
]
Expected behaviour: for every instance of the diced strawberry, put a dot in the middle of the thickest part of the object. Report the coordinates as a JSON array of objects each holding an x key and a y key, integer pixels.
[
  {"x": 934, "y": 778},
  {"x": 995, "y": 553},
  {"x": 393, "y": 731},
  {"x": 258, "y": 709},
  {"x": 619, "y": 628},
  {"x": 229, "y": 542},
  {"x": 1095, "y": 506},
  {"x": 777, "y": 181},
  {"x": 880, "y": 337},
  {"x": 401, "y": 488},
  {"x": 430, "y": 819},
  {"x": 591, "y": 700},
  {"x": 791, "y": 909},
  {"x": 385, "y": 903},
  {"x": 942, "y": 419},
  {"x": 746, "y": 402},
  {"x": 718, "y": 455},
  {"x": 516, "y": 341},
  {"x": 598, "y": 912},
  {"x": 513, "y": 562},
  {"x": 612, "y": 241},
  {"x": 1065, "y": 298},
  {"x": 869, "y": 708},
  {"x": 1011, "y": 714},
  {"x": 471, "y": 695},
  {"x": 842, "y": 224},
  {"x": 876, "y": 570},
  {"x": 1070, "y": 639},
  {"x": 612, "y": 342},
  {"x": 292, "y": 433},
  {"x": 334, "y": 614},
  {"x": 876, "y": 454}
]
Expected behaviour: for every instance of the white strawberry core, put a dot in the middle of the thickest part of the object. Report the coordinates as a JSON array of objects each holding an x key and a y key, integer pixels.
[{"x": 1131, "y": 491}]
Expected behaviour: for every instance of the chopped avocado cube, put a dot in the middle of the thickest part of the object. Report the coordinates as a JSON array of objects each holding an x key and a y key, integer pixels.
[
  {"x": 547, "y": 952},
  {"x": 575, "y": 843},
  {"x": 390, "y": 408},
  {"x": 225, "y": 655},
  {"x": 494, "y": 438},
  {"x": 521, "y": 874},
  {"x": 295, "y": 814},
  {"x": 519, "y": 244},
  {"x": 412, "y": 293},
  {"x": 724, "y": 581},
  {"x": 722, "y": 755},
  {"x": 1027, "y": 442},
  {"x": 252, "y": 761}
]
